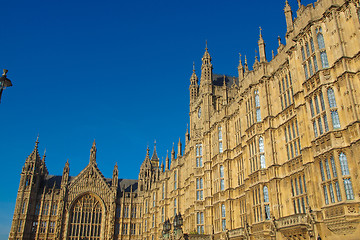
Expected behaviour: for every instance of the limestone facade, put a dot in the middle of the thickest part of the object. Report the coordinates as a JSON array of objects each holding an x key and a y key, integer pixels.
[{"x": 270, "y": 154}]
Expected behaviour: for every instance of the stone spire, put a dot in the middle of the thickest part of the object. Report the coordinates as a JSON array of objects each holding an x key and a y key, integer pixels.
[
  {"x": 167, "y": 164},
  {"x": 193, "y": 85},
  {"x": 65, "y": 175},
  {"x": 225, "y": 96},
  {"x": 93, "y": 153},
  {"x": 261, "y": 44},
  {"x": 240, "y": 68},
  {"x": 172, "y": 153},
  {"x": 246, "y": 67},
  {"x": 206, "y": 68},
  {"x": 115, "y": 177},
  {"x": 288, "y": 16},
  {"x": 179, "y": 148},
  {"x": 162, "y": 165},
  {"x": 155, "y": 158}
]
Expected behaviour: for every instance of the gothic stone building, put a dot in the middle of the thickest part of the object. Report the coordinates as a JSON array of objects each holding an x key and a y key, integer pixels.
[{"x": 270, "y": 154}]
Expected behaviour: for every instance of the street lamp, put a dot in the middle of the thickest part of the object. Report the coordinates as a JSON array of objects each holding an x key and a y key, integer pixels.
[{"x": 4, "y": 82}]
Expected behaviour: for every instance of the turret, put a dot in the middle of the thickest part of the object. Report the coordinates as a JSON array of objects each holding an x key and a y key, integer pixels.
[
  {"x": 33, "y": 169},
  {"x": 289, "y": 17},
  {"x": 262, "y": 52},
  {"x": 206, "y": 69}
]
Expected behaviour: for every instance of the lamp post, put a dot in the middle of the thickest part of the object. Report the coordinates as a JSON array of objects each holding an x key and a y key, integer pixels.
[{"x": 4, "y": 82}]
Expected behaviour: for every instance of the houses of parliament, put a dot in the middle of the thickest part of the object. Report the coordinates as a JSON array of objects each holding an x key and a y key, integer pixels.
[{"x": 272, "y": 154}]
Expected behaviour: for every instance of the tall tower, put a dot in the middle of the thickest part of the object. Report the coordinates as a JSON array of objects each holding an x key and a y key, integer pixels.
[{"x": 33, "y": 172}]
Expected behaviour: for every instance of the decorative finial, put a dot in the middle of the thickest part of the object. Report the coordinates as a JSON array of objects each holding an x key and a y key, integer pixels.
[
  {"x": 45, "y": 152},
  {"x": 37, "y": 141},
  {"x": 4, "y": 72},
  {"x": 260, "y": 31},
  {"x": 193, "y": 66},
  {"x": 299, "y": 3},
  {"x": 224, "y": 83},
  {"x": 279, "y": 40},
  {"x": 245, "y": 60},
  {"x": 206, "y": 48},
  {"x": 272, "y": 53}
]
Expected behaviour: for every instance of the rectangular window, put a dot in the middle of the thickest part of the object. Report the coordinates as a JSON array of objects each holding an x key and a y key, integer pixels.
[
  {"x": 326, "y": 195},
  {"x": 199, "y": 189},
  {"x": 125, "y": 229},
  {"x": 222, "y": 180},
  {"x": 199, "y": 161},
  {"x": 338, "y": 193},
  {"x": 20, "y": 225},
  {"x": 315, "y": 129},
  {"x": 45, "y": 210},
  {"x": 200, "y": 222},
  {"x": 54, "y": 209},
  {"x": 332, "y": 197},
  {"x": 133, "y": 228},
  {"x": 348, "y": 189},
  {"x": 335, "y": 119},
  {"x": 52, "y": 227},
  {"x": 42, "y": 226}
]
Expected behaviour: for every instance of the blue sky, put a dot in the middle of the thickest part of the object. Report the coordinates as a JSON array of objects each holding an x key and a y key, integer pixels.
[{"x": 114, "y": 71}]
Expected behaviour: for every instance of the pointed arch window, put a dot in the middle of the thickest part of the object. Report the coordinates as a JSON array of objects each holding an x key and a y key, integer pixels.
[
  {"x": 333, "y": 109},
  {"x": 321, "y": 44},
  {"x": 262, "y": 153},
  {"x": 85, "y": 218},
  {"x": 257, "y": 106}
]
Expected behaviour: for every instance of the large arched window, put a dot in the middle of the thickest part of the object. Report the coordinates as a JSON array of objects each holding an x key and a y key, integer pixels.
[{"x": 85, "y": 219}]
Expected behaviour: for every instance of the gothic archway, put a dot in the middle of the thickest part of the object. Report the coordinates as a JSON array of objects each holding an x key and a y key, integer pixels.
[{"x": 85, "y": 219}]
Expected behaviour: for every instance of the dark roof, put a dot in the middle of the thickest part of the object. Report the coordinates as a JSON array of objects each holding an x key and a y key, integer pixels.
[
  {"x": 124, "y": 184},
  {"x": 218, "y": 80}
]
